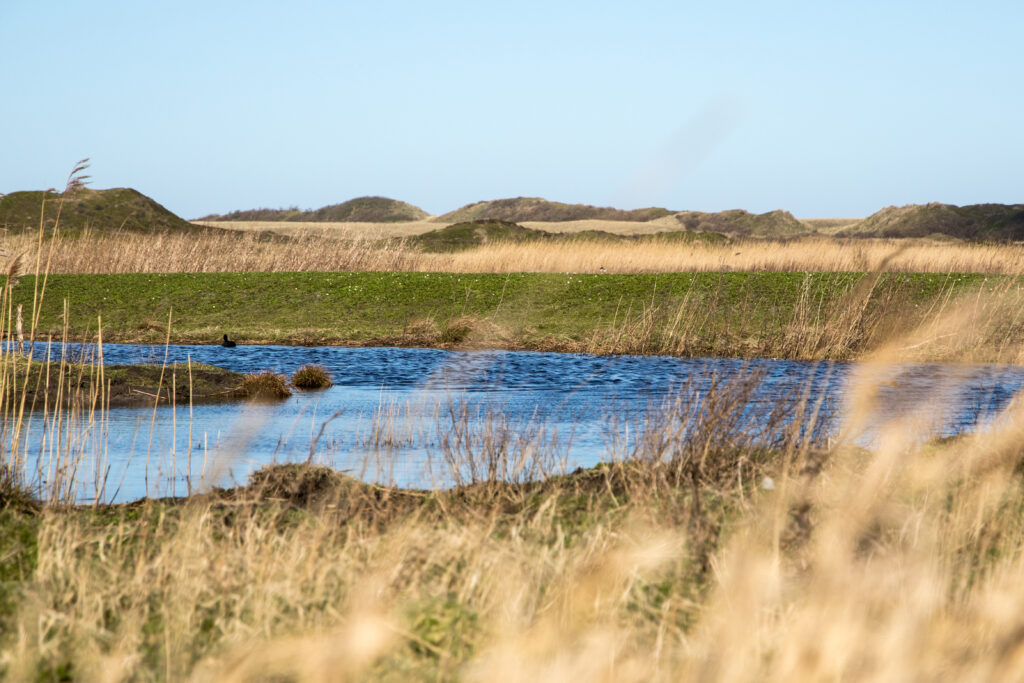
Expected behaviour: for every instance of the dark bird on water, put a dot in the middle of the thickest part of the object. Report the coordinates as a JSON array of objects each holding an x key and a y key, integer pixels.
[{"x": 228, "y": 343}]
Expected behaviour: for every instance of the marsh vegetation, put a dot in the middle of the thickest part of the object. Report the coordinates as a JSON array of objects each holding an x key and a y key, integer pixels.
[
  {"x": 714, "y": 548},
  {"x": 713, "y": 551}
]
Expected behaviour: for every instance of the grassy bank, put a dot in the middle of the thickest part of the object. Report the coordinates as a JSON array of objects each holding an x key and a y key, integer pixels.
[
  {"x": 309, "y": 544},
  {"x": 792, "y": 315}
]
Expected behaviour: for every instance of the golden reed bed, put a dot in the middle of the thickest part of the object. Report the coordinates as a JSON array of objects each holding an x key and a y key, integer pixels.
[{"x": 243, "y": 251}]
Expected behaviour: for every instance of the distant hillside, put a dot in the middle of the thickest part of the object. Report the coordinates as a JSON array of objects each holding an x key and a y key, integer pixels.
[
  {"x": 521, "y": 209},
  {"x": 359, "y": 210},
  {"x": 474, "y": 233},
  {"x": 973, "y": 222},
  {"x": 471, "y": 234},
  {"x": 738, "y": 222},
  {"x": 828, "y": 225},
  {"x": 118, "y": 208},
  {"x": 256, "y": 215}
]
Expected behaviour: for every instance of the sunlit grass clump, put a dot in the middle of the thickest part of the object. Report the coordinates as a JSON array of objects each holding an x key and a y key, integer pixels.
[
  {"x": 312, "y": 376},
  {"x": 266, "y": 385},
  {"x": 14, "y": 493}
]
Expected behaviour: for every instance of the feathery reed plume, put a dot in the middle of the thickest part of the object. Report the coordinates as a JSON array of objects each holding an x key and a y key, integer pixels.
[
  {"x": 77, "y": 178},
  {"x": 15, "y": 269}
]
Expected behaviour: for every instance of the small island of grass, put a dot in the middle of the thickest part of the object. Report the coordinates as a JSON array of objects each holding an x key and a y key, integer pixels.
[{"x": 66, "y": 384}]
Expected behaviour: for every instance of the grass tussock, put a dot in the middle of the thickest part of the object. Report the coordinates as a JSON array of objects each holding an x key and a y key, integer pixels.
[
  {"x": 15, "y": 494},
  {"x": 458, "y": 332},
  {"x": 312, "y": 377},
  {"x": 265, "y": 385}
]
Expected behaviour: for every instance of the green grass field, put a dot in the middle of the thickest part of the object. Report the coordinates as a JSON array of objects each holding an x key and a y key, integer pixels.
[{"x": 729, "y": 314}]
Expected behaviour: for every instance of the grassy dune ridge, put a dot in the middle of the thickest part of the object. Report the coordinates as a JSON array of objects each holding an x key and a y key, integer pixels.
[
  {"x": 537, "y": 209},
  {"x": 791, "y": 315},
  {"x": 473, "y": 234},
  {"x": 99, "y": 210},
  {"x": 127, "y": 209},
  {"x": 366, "y": 209}
]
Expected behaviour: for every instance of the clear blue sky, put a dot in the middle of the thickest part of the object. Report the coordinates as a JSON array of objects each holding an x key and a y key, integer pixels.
[{"x": 821, "y": 108}]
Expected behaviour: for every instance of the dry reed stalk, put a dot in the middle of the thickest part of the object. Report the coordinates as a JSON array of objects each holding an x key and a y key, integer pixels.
[{"x": 70, "y": 436}]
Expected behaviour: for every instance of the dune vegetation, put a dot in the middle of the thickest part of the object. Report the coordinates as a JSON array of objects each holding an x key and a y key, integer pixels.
[
  {"x": 115, "y": 210},
  {"x": 521, "y": 209},
  {"x": 980, "y": 222},
  {"x": 124, "y": 209},
  {"x": 360, "y": 209}
]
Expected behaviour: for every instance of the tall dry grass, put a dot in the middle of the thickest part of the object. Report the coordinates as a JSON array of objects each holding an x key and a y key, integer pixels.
[
  {"x": 902, "y": 562},
  {"x": 805, "y": 255},
  {"x": 211, "y": 253},
  {"x": 244, "y": 251}
]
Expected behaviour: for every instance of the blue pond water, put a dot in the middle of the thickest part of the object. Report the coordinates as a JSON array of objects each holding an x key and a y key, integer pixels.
[{"x": 404, "y": 416}]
